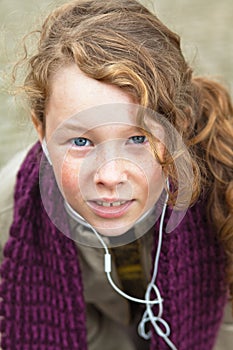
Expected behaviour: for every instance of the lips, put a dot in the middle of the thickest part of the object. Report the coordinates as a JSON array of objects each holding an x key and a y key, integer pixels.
[
  {"x": 110, "y": 209},
  {"x": 110, "y": 204}
]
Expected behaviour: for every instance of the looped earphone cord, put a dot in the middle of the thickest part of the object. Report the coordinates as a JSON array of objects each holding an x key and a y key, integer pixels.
[{"x": 148, "y": 316}]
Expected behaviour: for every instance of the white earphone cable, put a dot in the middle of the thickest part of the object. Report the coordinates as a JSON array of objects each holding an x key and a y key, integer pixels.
[
  {"x": 156, "y": 320},
  {"x": 148, "y": 315}
]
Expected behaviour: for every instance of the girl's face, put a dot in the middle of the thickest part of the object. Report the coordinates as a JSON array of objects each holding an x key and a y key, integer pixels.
[{"x": 102, "y": 160}]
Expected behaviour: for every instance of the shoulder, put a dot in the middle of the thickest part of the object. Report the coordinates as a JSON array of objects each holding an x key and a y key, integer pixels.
[{"x": 8, "y": 176}]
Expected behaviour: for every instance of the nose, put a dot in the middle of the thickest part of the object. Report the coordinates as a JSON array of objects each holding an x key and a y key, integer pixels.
[{"x": 111, "y": 174}]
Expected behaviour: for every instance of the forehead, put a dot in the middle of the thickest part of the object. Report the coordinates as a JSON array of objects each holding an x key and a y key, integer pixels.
[{"x": 91, "y": 102}]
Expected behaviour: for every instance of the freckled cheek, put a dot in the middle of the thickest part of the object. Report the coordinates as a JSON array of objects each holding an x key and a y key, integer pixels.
[
  {"x": 155, "y": 179},
  {"x": 69, "y": 179},
  {"x": 147, "y": 175}
]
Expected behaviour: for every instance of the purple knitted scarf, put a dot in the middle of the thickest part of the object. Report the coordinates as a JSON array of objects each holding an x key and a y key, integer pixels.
[{"x": 42, "y": 304}]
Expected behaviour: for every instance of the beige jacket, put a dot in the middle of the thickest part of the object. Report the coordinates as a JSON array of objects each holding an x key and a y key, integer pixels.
[{"x": 107, "y": 312}]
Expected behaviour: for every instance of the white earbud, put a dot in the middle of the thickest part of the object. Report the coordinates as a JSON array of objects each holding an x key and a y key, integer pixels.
[{"x": 45, "y": 150}]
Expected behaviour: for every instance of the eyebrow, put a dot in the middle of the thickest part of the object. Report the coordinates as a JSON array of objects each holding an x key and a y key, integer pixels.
[{"x": 71, "y": 125}]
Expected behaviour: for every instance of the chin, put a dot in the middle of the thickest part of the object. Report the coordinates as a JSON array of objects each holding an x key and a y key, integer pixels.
[{"x": 114, "y": 230}]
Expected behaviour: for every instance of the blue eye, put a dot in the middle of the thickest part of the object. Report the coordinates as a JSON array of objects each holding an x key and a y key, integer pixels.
[
  {"x": 138, "y": 139},
  {"x": 81, "y": 142}
]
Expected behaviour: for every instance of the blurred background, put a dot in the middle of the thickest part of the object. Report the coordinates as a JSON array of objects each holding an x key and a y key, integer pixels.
[{"x": 206, "y": 29}]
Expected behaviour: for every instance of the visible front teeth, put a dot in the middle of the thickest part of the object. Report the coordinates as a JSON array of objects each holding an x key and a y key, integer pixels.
[{"x": 113, "y": 204}]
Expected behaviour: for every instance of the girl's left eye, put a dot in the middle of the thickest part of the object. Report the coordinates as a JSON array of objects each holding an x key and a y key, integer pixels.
[
  {"x": 138, "y": 139},
  {"x": 81, "y": 142}
]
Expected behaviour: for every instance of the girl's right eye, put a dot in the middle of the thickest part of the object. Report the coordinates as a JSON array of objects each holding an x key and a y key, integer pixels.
[{"x": 81, "y": 142}]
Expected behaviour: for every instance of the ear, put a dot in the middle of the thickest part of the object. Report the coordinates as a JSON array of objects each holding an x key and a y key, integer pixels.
[{"x": 38, "y": 126}]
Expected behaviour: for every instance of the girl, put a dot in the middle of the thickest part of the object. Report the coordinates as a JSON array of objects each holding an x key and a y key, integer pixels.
[{"x": 135, "y": 156}]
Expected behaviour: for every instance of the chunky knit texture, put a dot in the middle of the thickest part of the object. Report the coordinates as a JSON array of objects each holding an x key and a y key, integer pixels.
[
  {"x": 42, "y": 304},
  {"x": 191, "y": 280}
]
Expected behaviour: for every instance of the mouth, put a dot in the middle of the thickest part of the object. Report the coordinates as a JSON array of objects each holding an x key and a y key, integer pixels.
[
  {"x": 110, "y": 204},
  {"x": 110, "y": 209}
]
